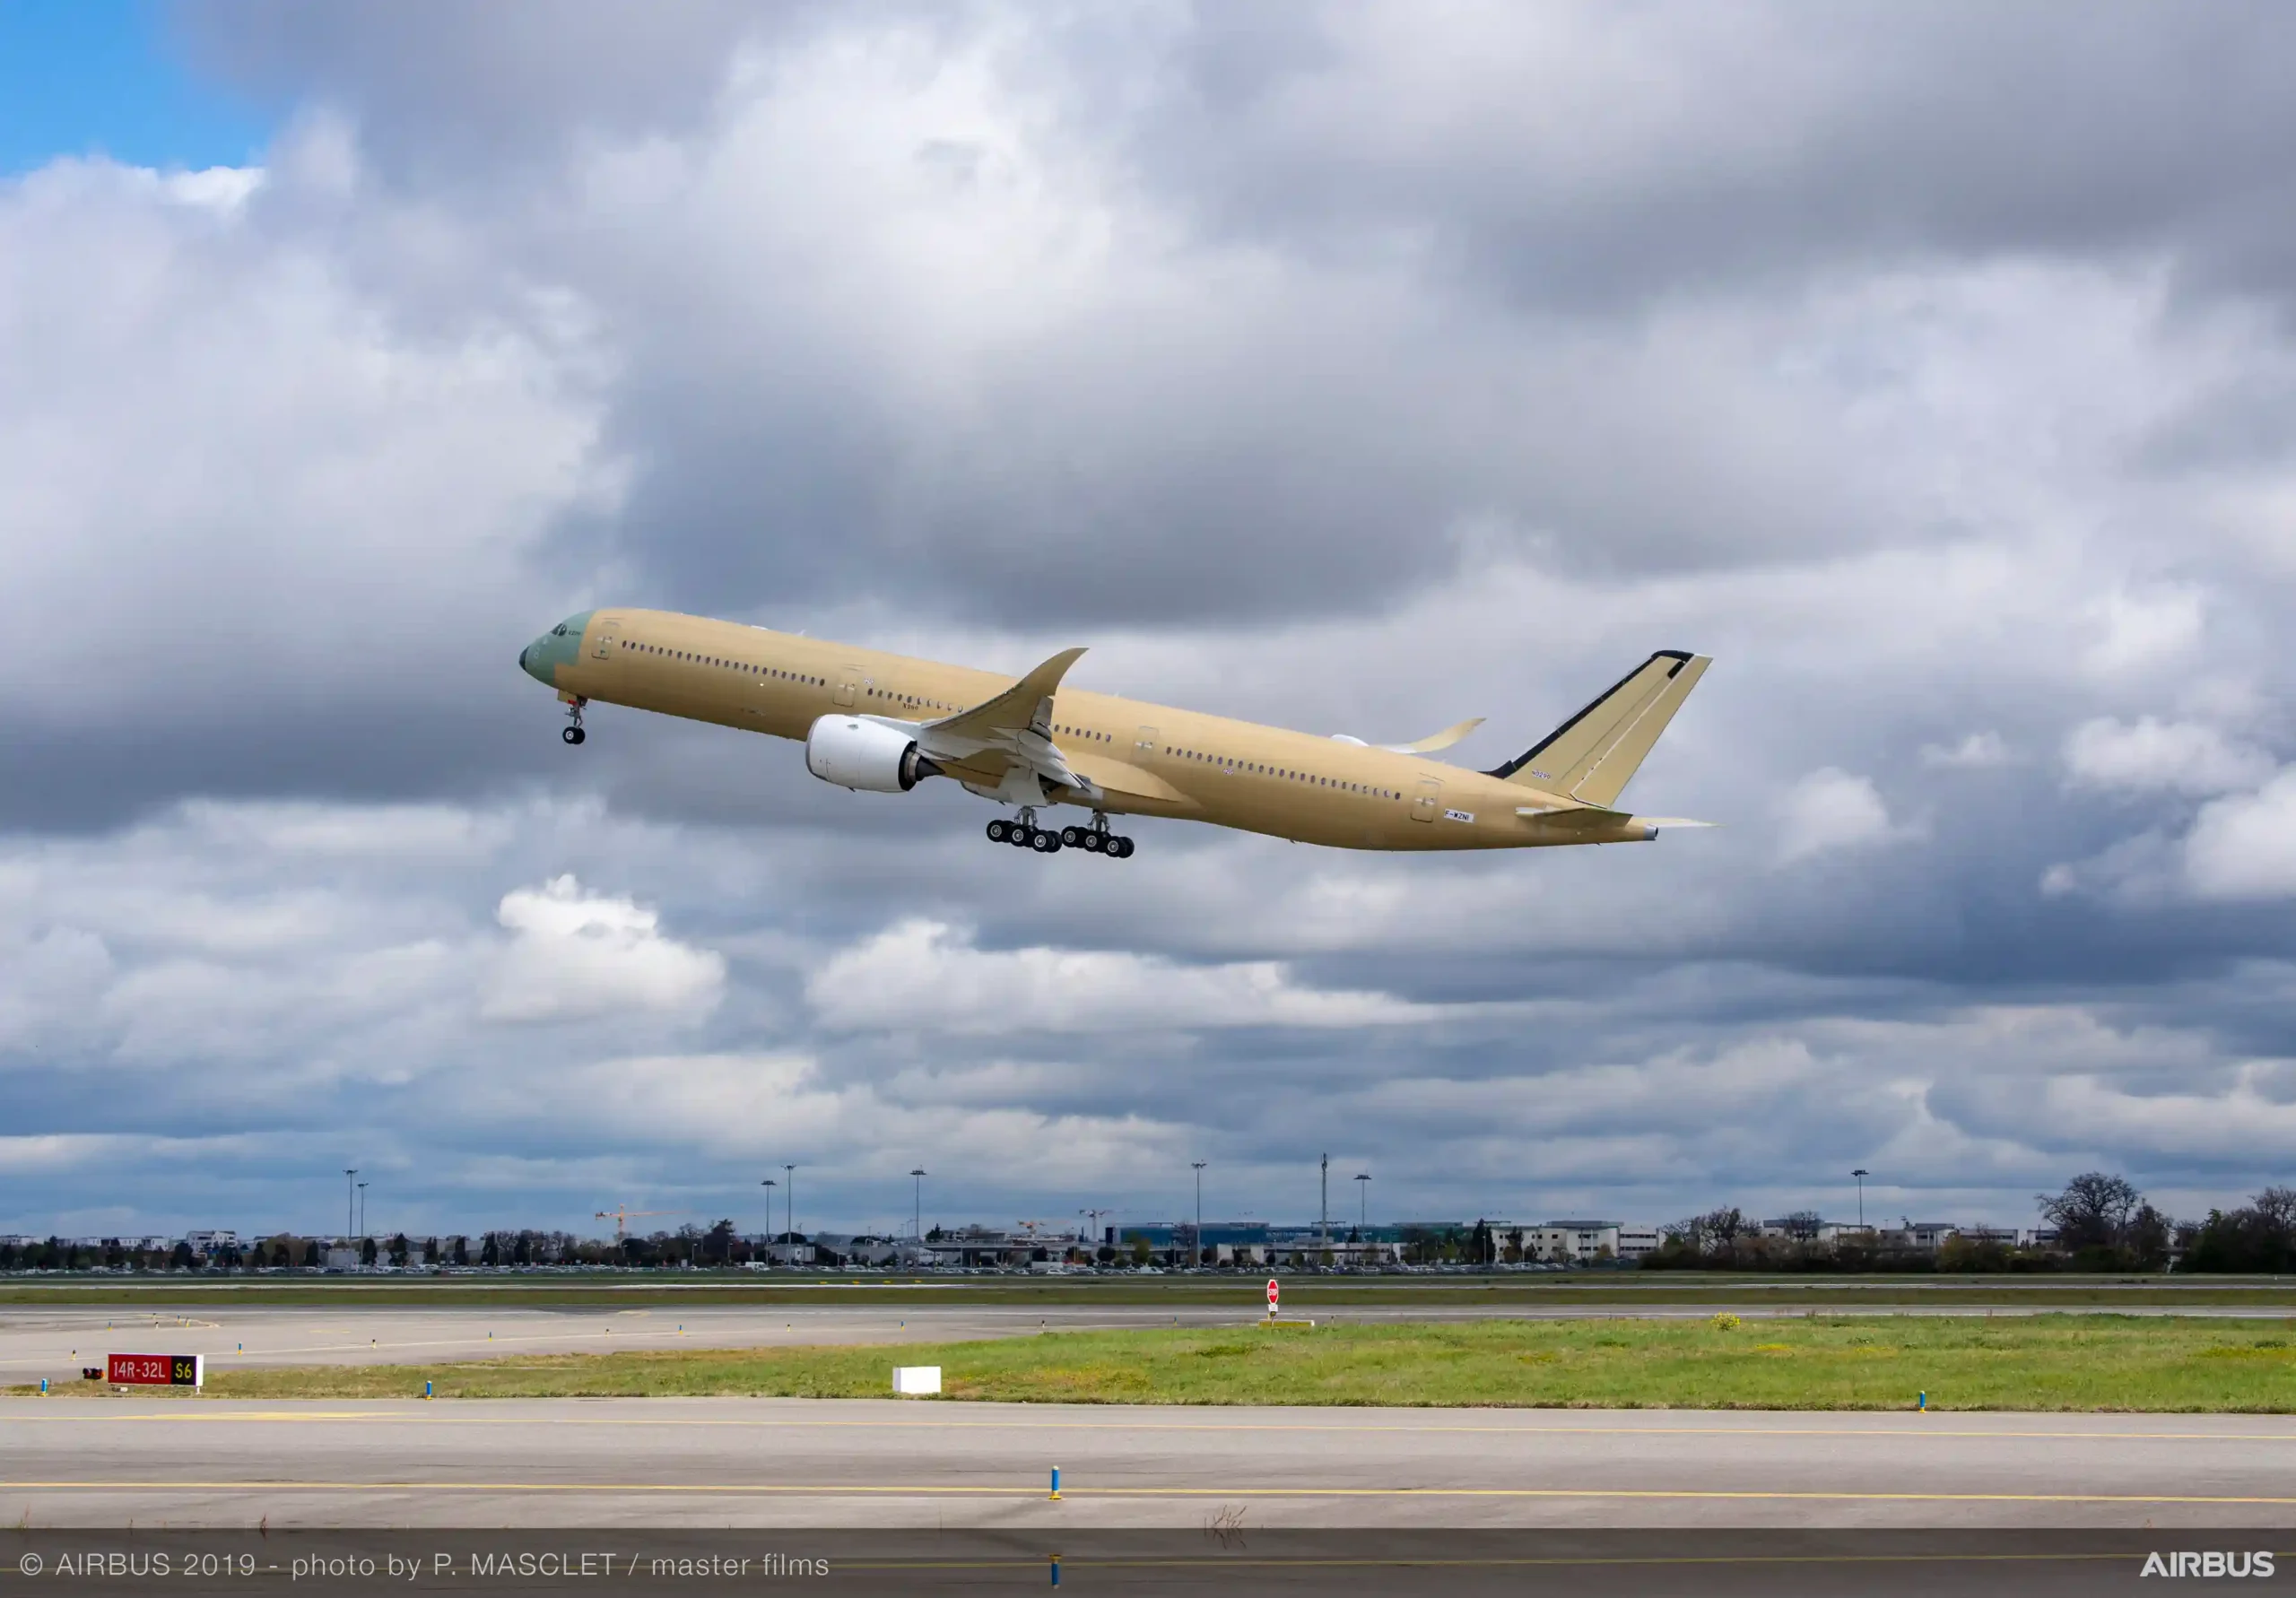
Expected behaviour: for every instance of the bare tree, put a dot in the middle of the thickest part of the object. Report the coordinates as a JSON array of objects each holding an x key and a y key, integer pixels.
[
  {"x": 1803, "y": 1225},
  {"x": 2093, "y": 1212},
  {"x": 2276, "y": 1212}
]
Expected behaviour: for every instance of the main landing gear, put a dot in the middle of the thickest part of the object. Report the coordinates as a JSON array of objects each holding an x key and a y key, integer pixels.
[
  {"x": 1025, "y": 834},
  {"x": 572, "y": 731}
]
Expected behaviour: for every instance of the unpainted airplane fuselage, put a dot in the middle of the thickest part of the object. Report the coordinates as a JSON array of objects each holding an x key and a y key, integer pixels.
[{"x": 1141, "y": 758}]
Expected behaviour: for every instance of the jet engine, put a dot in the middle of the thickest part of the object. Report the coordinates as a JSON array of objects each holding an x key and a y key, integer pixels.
[{"x": 867, "y": 756}]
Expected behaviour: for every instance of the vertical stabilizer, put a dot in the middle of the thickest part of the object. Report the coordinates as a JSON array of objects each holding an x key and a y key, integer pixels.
[{"x": 1590, "y": 757}]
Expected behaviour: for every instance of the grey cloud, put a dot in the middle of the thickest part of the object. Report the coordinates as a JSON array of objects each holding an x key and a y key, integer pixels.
[
  {"x": 1345, "y": 388},
  {"x": 1603, "y": 157}
]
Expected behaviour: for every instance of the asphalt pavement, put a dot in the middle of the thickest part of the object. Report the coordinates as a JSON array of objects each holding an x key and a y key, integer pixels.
[{"x": 669, "y": 1463}]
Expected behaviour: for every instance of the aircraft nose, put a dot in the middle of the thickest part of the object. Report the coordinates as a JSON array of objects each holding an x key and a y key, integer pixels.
[{"x": 535, "y": 661}]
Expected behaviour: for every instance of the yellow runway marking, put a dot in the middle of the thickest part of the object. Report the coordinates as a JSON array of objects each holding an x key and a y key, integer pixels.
[
  {"x": 434, "y": 1417},
  {"x": 1036, "y": 1491}
]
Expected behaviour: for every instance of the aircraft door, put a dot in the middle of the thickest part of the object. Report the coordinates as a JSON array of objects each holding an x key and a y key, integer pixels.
[
  {"x": 848, "y": 684},
  {"x": 1145, "y": 743},
  {"x": 608, "y": 639},
  {"x": 1430, "y": 803}
]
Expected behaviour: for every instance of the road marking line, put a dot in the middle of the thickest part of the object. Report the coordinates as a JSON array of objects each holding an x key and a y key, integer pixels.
[
  {"x": 1034, "y": 1491},
  {"x": 433, "y": 1417}
]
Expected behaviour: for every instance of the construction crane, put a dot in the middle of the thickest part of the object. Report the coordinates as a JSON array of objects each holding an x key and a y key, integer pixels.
[{"x": 620, "y": 1215}]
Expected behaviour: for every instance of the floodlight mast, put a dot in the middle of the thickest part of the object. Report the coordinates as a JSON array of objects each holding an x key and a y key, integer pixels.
[
  {"x": 1198, "y": 1260},
  {"x": 1323, "y": 1226}
]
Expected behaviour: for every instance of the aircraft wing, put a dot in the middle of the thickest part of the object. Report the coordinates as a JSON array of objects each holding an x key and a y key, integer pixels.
[{"x": 1016, "y": 724}]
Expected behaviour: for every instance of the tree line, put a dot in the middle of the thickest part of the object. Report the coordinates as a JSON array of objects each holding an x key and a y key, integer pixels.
[{"x": 2102, "y": 1224}]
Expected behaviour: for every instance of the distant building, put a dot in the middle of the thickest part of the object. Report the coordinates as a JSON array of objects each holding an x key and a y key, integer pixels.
[
  {"x": 1635, "y": 1240},
  {"x": 1559, "y": 1242},
  {"x": 1918, "y": 1237},
  {"x": 204, "y": 1243}
]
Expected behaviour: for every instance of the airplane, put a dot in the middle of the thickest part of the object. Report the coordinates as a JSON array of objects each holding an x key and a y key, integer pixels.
[{"x": 879, "y": 722}]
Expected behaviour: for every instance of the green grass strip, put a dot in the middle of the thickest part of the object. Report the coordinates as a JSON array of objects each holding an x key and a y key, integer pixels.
[{"x": 1821, "y": 1362}]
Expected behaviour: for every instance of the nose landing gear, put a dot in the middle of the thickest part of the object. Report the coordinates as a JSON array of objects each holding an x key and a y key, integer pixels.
[{"x": 572, "y": 731}]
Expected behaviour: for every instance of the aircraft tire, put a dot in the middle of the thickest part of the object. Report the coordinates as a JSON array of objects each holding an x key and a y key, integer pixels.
[
  {"x": 1018, "y": 836},
  {"x": 1094, "y": 842},
  {"x": 997, "y": 828},
  {"x": 1121, "y": 847},
  {"x": 1070, "y": 837},
  {"x": 1045, "y": 843},
  {"x": 572, "y": 734}
]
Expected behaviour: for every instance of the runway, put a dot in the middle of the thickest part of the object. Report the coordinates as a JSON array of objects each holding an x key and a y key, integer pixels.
[
  {"x": 57, "y": 1343},
  {"x": 666, "y": 1462}
]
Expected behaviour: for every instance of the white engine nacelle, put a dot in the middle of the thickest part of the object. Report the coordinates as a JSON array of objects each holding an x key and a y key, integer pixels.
[{"x": 867, "y": 756}]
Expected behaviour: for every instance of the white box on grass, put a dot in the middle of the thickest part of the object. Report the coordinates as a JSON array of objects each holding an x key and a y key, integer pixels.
[{"x": 917, "y": 1378}]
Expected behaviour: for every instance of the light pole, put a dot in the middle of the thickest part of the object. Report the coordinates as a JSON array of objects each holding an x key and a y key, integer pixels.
[
  {"x": 363, "y": 1211},
  {"x": 1861, "y": 1173},
  {"x": 789, "y": 1205},
  {"x": 916, "y": 1222},
  {"x": 1323, "y": 1226},
  {"x": 1198, "y": 1261},
  {"x": 349, "y": 1175},
  {"x": 768, "y": 1184},
  {"x": 1362, "y": 1204}
]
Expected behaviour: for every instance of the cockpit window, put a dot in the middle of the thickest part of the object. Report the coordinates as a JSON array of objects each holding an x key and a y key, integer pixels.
[{"x": 559, "y": 631}]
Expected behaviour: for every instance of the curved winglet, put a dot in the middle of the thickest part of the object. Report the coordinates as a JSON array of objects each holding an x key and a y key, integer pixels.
[
  {"x": 1025, "y": 707},
  {"x": 1442, "y": 740}
]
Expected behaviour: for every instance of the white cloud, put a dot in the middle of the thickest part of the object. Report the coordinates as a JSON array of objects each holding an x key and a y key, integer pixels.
[
  {"x": 575, "y": 955},
  {"x": 2151, "y": 756},
  {"x": 2244, "y": 845},
  {"x": 2138, "y": 632},
  {"x": 927, "y": 975},
  {"x": 1831, "y": 809},
  {"x": 1979, "y": 751}
]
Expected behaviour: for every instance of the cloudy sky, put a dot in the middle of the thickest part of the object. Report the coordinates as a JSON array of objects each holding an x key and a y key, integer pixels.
[{"x": 1356, "y": 367}]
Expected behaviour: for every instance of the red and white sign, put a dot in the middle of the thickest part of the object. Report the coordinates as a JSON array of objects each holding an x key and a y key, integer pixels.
[
  {"x": 156, "y": 1370},
  {"x": 1272, "y": 1291}
]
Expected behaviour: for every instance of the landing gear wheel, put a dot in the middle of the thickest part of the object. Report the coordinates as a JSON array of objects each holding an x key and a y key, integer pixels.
[
  {"x": 1017, "y": 835},
  {"x": 572, "y": 734},
  {"x": 1094, "y": 842},
  {"x": 1043, "y": 842},
  {"x": 1070, "y": 837},
  {"x": 997, "y": 828},
  {"x": 1120, "y": 848}
]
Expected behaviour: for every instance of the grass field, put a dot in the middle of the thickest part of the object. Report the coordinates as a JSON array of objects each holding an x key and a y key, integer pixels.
[
  {"x": 1623, "y": 1289},
  {"x": 2085, "y": 1362}
]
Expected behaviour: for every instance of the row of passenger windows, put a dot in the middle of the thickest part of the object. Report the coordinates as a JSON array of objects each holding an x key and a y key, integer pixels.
[
  {"x": 1259, "y": 770},
  {"x": 732, "y": 665},
  {"x": 914, "y": 701},
  {"x": 918, "y": 702}
]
